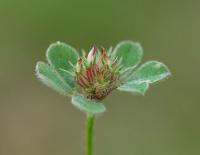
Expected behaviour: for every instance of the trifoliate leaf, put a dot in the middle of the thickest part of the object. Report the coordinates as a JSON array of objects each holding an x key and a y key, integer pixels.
[
  {"x": 87, "y": 105},
  {"x": 61, "y": 57},
  {"x": 150, "y": 72},
  {"x": 130, "y": 53},
  {"x": 134, "y": 87},
  {"x": 48, "y": 76}
]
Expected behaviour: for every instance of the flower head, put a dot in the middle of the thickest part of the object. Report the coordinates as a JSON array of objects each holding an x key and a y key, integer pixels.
[{"x": 97, "y": 73}]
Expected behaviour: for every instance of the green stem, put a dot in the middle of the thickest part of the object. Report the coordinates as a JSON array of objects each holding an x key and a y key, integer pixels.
[{"x": 89, "y": 134}]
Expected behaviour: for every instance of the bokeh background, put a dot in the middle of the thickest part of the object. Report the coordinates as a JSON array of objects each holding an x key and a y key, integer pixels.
[{"x": 35, "y": 120}]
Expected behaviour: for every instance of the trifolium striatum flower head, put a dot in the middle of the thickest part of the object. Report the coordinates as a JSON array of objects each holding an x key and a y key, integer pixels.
[{"x": 97, "y": 73}]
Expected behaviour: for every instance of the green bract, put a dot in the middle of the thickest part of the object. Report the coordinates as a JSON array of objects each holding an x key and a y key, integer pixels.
[{"x": 90, "y": 77}]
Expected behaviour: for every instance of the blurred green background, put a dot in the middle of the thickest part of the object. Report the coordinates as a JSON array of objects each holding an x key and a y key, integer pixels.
[{"x": 34, "y": 120}]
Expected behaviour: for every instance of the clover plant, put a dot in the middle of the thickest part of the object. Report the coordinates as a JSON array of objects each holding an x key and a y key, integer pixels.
[{"x": 90, "y": 77}]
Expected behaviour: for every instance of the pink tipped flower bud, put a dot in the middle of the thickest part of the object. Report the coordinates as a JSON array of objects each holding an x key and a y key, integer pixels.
[{"x": 91, "y": 54}]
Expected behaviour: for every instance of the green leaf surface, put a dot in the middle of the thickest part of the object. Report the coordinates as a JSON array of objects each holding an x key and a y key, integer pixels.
[
  {"x": 48, "y": 76},
  {"x": 150, "y": 72},
  {"x": 88, "y": 106},
  {"x": 59, "y": 56},
  {"x": 134, "y": 87},
  {"x": 130, "y": 53}
]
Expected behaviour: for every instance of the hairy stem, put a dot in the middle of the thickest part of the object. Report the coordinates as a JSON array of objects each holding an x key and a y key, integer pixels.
[{"x": 89, "y": 134}]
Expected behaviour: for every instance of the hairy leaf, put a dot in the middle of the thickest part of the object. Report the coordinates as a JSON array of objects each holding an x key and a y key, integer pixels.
[
  {"x": 130, "y": 53},
  {"x": 48, "y": 76},
  {"x": 86, "y": 105},
  {"x": 150, "y": 72},
  {"x": 61, "y": 57},
  {"x": 135, "y": 87}
]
